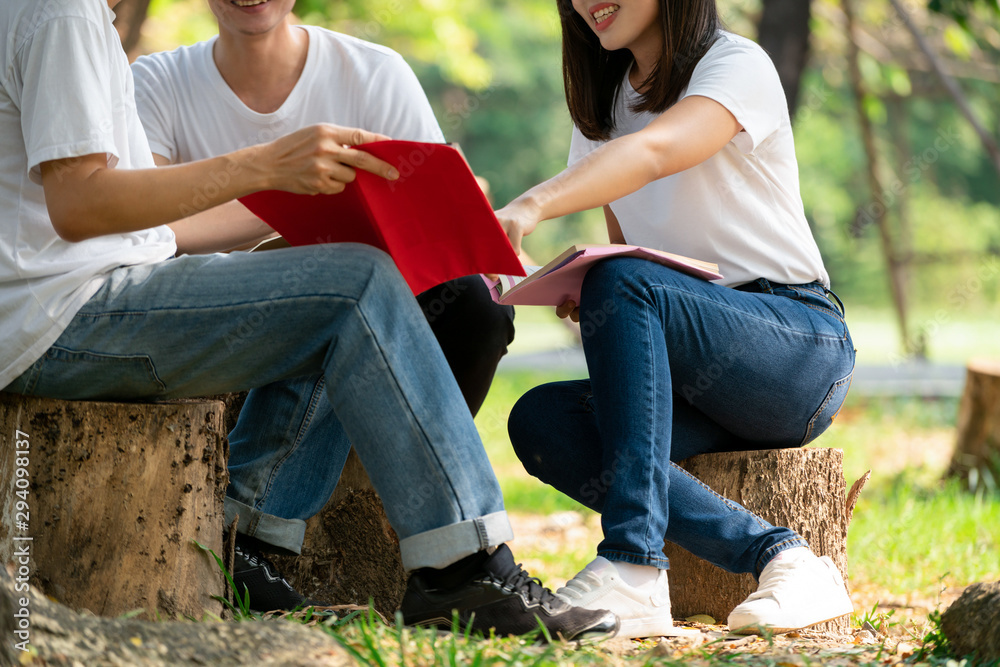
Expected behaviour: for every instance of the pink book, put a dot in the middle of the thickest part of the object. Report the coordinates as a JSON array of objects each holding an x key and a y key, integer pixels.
[{"x": 560, "y": 280}]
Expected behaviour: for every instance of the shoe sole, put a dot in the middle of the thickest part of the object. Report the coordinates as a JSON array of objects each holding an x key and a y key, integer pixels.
[
  {"x": 584, "y": 638},
  {"x": 637, "y": 628},
  {"x": 588, "y": 637},
  {"x": 759, "y": 629}
]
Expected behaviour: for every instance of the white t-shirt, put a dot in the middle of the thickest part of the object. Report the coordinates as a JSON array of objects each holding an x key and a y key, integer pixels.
[
  {"x": 741, "y": 208},
  {"x": 191, "y": 113},
  {"x": 65, "y": 91}
]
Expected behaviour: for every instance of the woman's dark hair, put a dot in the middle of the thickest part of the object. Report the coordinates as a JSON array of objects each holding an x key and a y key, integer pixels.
[{"x": 593, "y": 76}]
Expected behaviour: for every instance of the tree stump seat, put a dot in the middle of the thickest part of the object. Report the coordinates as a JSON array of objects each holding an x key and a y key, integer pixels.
[
  {"x": 102, "y": 502},
  {"x": 976, "y": 459},
  {"x": 802, "y": 489}
]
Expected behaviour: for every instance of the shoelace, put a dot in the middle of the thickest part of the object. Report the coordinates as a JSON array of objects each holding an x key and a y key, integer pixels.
[
  {"x": 584, "y": 582},
  {"x": 519, "y": 580}
]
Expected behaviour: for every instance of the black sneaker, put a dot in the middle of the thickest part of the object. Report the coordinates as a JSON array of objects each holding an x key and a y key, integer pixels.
[
  {"x": 492, "y": 592},
  {"x": 253, "y": 573}
]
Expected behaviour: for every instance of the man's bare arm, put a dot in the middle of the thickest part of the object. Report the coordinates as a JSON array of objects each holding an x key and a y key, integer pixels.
[
  {"x": 226, "y": 227},
  {"x": 87, "y": 199}
]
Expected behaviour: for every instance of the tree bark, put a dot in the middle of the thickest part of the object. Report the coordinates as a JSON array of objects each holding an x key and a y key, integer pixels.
[
  {"x": 350, "y": 554},
  {"x": 783, "y": 32},
  {"x": 56, "y": 636},
  {"x": 972, "y": 623},
  {"x": 977, "y": 450},
  {"x": 802, "y": 489},
  {"x": 112, "y": 498}
]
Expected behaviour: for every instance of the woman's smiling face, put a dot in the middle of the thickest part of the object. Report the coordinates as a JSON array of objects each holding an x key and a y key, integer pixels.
[{"x": 625, "y": 24}]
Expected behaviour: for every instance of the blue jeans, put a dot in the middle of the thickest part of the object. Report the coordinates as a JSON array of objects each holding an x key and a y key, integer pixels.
[
  {"x": 288, "y": 448},
  {"x": 679, "y": 367},
  {"x": 212, "y": 324}
]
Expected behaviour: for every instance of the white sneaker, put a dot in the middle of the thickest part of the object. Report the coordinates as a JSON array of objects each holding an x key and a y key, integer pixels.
[
  {"x": 643, "y": 612},
  {"x": 797, "y": 589}
]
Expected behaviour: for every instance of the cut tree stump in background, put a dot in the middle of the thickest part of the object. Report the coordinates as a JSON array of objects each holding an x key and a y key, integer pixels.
[
  {"x": 977, "y": 450},
  {"x": 118, "y": 492},
  {"x": 802, "y": 489},
  {"x": 350, "y": 553}
]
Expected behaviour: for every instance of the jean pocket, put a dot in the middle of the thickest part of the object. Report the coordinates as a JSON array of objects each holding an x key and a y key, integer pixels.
[
  {"x": 828, "y": 410},
  {"x": 83, "y": 375}
]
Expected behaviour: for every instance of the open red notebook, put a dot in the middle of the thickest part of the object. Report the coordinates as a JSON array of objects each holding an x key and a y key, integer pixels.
[{"x": 434, "y": 221}]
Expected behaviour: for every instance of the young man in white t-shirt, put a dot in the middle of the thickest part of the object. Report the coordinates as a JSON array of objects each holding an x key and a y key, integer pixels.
[
  {"x": 261, "y": 77},
  {"x": 95, "y": 305}
]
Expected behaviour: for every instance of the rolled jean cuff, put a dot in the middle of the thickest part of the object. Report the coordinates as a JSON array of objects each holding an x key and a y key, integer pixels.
[
  {"x": 768, "y": 555},
  {"x": 285, "y": 534},
  {"x": 443, "y": 546}
]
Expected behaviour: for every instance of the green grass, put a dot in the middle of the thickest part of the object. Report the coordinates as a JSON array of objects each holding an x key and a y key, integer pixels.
[{"x": 913, "y": 538}]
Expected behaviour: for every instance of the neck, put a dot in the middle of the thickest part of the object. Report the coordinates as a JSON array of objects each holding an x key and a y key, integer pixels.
[
  {"x": 647, "y": 50},
  {"x": 262, "y": 69},
  {"x": 640, "y": 71}
]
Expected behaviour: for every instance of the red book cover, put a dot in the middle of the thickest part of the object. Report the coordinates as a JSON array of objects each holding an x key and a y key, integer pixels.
[{"x": 434, "y": 220}]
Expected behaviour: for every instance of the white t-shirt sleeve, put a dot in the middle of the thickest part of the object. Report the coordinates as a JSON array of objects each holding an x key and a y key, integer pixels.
[
  {"x": 157, "y": 105},
  {"x": 66, "y": 110},
  {"x": 740, "y": 76},
  {"x": 580, "y": 146},
  {"x": 398, "y": 105}
]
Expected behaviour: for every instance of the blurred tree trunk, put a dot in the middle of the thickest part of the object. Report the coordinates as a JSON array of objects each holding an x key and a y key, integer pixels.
[
  {"x": 783, "y": 31},
  {"x": 130, "y": 15},
  {"x": 876, "y": 211}
]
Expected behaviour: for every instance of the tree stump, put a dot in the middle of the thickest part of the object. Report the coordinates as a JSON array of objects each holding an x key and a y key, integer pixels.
[
  {"x": 972, "y": 623},
  {"x": 350, "y": 553},
  {"x": 802, "y": 489},
  {"x": 977, "y": 450},
  {"x": 39, "y": 632},
  {"x": 113, "y": 497}
]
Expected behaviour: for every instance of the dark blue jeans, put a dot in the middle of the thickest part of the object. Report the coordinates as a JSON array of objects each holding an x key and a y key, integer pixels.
[{"x": 679, "y": 367}]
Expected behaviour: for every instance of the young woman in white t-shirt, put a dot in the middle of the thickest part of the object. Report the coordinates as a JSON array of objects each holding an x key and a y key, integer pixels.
[{"x": 682, "y": 135}]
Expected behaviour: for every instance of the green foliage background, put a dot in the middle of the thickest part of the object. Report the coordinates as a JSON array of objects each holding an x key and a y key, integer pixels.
[{"x": 491, "y": 69}]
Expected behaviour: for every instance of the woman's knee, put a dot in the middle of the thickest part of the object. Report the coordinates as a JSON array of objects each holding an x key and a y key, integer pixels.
[{"x": 526, "y": 428}]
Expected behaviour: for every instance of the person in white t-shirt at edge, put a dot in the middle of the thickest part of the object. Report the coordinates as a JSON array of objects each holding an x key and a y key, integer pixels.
[
  {"x": 262, "y": 77},
  {"x": 682, "y": 135},
  {"x": 97, "y": 304}
]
